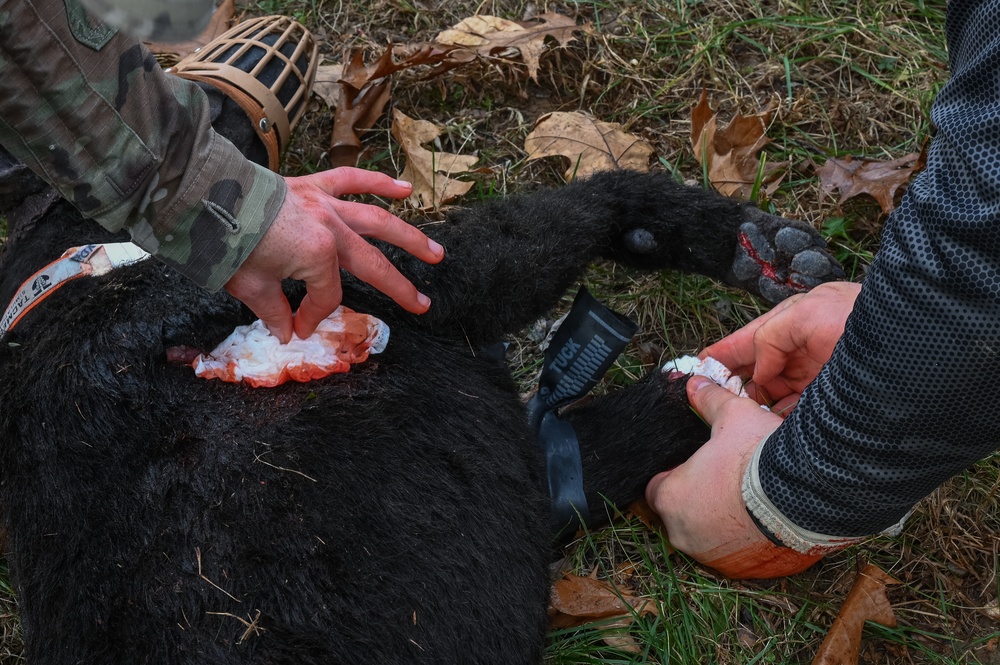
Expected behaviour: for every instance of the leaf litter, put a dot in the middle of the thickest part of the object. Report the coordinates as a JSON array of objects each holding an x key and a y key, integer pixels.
[
  {"x": 577, "y": 601},
  {"x": 730, "y": 156},
  {"x": 879, "y": 179},
  {"x": 866, "y": 601},
  {"x": 429, "y": 171},
  {"x": 491, "y": 36},
  {"x": 589, "y": 144}
]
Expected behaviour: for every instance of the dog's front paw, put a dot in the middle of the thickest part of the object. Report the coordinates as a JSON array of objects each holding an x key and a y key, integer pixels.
[{"x": 776, "y": 257}]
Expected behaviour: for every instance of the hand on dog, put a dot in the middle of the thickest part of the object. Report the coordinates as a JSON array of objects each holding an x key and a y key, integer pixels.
[
  {"x": 701, "y": 501},
  {"x": 314, "y": 235}
]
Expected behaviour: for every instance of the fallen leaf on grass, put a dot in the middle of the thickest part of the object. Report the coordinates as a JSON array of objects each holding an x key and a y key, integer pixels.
[
  {"x": 730, "y": 155},
  {"x": 358, "y": 94},
  {"x": 880, "y": 180},
  {"x": 327, "y": 85},
  {"x": 478, "y": 31},
  {"x": 589, "y": 144},
  {"x": 615, "y": 634},
  {"x": 575, "y": 601},
  {"x": 221, "y": 21},
  {"x": 649, "y": 517},
  {"x": 492, "y": 36},
  {"x": 865, "y": 602},
  {"x": 429, "y": 171}
]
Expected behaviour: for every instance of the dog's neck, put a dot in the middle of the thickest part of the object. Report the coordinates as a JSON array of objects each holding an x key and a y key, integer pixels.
[{"x": 86, "y": 261}]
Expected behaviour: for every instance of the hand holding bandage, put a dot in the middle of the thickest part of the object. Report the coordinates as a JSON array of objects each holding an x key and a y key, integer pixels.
[
  {"x": 701, "y": 501},
  {"x": 704, "y": 502},
  {"x": 783, "y": 350}
]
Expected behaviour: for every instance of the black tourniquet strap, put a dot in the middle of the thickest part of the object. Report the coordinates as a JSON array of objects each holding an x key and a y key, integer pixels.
[{"x": 585, "y": 346}]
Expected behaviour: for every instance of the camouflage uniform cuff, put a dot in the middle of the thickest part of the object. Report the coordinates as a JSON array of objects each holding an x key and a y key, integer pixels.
[
  {"x": 772, "y": 522},
  {"x": 219, "y": 219},
  {"x": 155, "y": 20}
]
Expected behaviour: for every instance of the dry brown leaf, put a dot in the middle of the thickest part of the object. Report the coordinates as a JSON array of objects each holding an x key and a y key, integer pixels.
[
  {"x": 221, "y": 20},
  {"x": 576, "y": 600},
  {"x": 474, "y": 31},
  {"x": 880, "y": 180},
  {"x": 590, "y": 145},
  {"x": 649, "y": 517},
  {"x": 615, "y": 634},
  {"x": 429, "y": 171},
  {"x": 492, "y": 36},
  {"x": 865, "y": 602},
  {"x": 327, "y": 85},
  {"x": 731, "y": 155},
  {"x": 360, "y": 93}
]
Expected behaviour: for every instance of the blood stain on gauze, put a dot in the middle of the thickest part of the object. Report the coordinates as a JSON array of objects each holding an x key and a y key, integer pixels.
[
  {"x": 709, "y": 367},
  {"x": 253, "y": 355}
]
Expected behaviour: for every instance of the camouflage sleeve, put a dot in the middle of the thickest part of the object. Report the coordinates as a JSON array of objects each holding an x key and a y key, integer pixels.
[
  {"x": 92, "y": 113},
  {"x": 155, "y": 20}
]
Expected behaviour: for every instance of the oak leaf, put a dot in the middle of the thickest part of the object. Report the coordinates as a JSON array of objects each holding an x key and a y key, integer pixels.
[
  {"x": 426, "y": 170},
  {"x": 360, "y": 92},
  {"x": 327, "y": 84},
  {"x": 878, "y": 179},
  {"x": 866, "y": 601},
  {"x": 645, "y": 513},
  {"x": 576, "y": 600},
  {"x": 730, "y": 155},
  {"x": 173, "y": 52},
  {"x": 493, "y": 36},
  {"x": 589, "y": 144}
]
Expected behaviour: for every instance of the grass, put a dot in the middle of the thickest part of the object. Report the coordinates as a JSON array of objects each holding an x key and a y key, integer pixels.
[
  {"x": 10, "y": 626},
  {"x": 704, "y": 619},
  {"x": 845, "y": 77}
]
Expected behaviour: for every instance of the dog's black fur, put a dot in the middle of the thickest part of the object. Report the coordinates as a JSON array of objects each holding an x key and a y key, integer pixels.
[{"x": 393, "y": 514}]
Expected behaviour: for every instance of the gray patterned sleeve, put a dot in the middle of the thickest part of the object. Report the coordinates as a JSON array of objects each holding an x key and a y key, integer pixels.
[{"x": 911, "y": 393}]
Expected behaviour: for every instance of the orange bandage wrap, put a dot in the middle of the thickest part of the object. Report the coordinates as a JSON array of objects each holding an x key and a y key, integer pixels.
[{"x": 252, "y": 355}]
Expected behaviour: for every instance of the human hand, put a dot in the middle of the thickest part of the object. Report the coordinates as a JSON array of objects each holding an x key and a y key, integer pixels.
[
  {"x": 784, "y": 349},
  {"x": 701, "y": 501},
  {"x": 314, "y": 235}
]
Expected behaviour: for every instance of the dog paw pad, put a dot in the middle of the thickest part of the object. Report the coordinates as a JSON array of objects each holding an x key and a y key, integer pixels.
[
  {"x": 756, "y": 243},
  {"x": 792, "y": 241},
  {"x": 777, "y": 257},
  {"x": 773, "y": 291},
  {"x": 811, "y": 262}
]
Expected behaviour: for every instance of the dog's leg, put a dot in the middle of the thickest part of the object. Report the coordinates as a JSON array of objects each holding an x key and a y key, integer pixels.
[
  {"x": 509, "y": 260},
  {"x": 628, "y": 436}
]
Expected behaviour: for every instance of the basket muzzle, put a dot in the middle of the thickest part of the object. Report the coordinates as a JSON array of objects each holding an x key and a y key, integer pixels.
[{"x": 266, "y": 65}]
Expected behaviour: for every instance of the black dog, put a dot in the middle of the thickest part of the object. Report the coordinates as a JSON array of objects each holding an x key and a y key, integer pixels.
[{"x": 395, "y": 513}]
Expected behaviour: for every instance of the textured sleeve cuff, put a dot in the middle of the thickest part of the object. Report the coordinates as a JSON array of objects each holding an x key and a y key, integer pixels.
[
  {"x": 777, "y": 527},
  {"x": 218, "y": 219}
]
